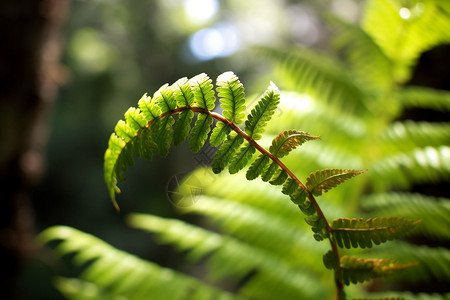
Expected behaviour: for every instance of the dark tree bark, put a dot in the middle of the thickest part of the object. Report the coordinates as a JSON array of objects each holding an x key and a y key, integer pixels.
[{"x": 30, "y": 44}]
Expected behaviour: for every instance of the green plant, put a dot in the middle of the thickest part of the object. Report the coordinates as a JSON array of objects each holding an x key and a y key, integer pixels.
[{"x": 357, "y": 111}]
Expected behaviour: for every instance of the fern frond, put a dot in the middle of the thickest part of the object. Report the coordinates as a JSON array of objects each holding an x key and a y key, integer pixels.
[
  {"x": 403, "y": 39},
  {"x": 165, "y": 99},
  {"x": 409, "y": 135},
  {"x": 203, "y": 91},
  {"x": 241, "y": 158},
  {"x": 257, "y": 167},
  {"x": 219, "y": 134},
  {"x": 183, "y": 127},
  {"x": 433, "y": 211},
  {"x": 231, "y": 94},
  {"x": 318, "y": 76},
  {"x": 199, "y": 132},
  {"x": 279, "y": 178},
  {"x": 269, "y": 172},
  {"x": 148, "y": 107},
  {"x": 226, "y": 152},
  {"x": 262, "y": 112},
  {"x": 119, "y": 274},
  {"x": 322, "y": 181},
  {"x": 182, "y": 92},
  {"x": 422, "y": 97},
  {"x": 362, "y": 233},
  {"x": 368, "y": 61},
  {"x": 433, "y": 262},
  {"x": 283, "y": 238},
  {"x": 354, "y": 270},
  {"x": 164, "y": 135},
  {"x": 288, "y": 140},
  {"x": 429, "y": 164},
  {"x": 230, "y": 258}
]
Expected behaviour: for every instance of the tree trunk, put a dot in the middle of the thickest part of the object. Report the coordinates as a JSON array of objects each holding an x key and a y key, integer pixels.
[{"x": 30, "y": 44}]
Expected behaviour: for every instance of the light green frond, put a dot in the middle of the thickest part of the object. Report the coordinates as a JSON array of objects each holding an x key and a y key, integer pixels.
[
  {"x": 164, "y": 98},
  {"x": 164, "y": 135},
  {"x": 262, "y": 112},
  {"x": 231, "y": 258},
  {"x": 202, "y": 88},
  {"x": 183, "y": 127},
  {"x": 231, "y": 94},
  {"x": 422, "y": 97},
  {"x": 318, "y": 76},
  {"x": 429, "y": 164},
  {"x": 148, "y": 107},
  {"x": 219, "y": 134},
  {"x": 285, "y": 238},
  {"x": 372, "y": 68},
  {"x": 433, "y": 211},
  {"x": 199, "y": 132},
  {"x": 182, "y": 92},
  {"x": 404, "y": 30},
  {"x": 226, "y": 152},
  {"x": 433, "y": 262},
  {"x": 124, "y": 276},
  {"x": 409, "y": 135}
]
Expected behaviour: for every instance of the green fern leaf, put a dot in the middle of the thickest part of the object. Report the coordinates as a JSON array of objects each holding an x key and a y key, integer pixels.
[
  {"x": 232, "y": 96},
  {"x": 321, "y": 181},
  {"x": 219, "y": 133},
  {"x": 221, "y": 252},
  {"x": 125, "y": 131},
  {"x": 182, "y": 127},
  {"x": 199, "y": 132},
  {"x": 165, "y": 99},
  {"x": 362, "y": 233},
  {"x": 289, "y": 187},
  {"x": 422, "y": 97},
  {"x": 288, "y": 140},
  {"x": 354, "y": 270},
  {"x": 182, "y": 92},
  {"x": 135, "y": 119},
  {"x": 257, "y": 167},
  {"x": 268, "y": 173},
  {"x": 119, "y": 275},
  {"x": 241, "y": 158},
  {"x": 262, "y": 112},
  {"x": 164, "y": 135},
  {"x": 279, "y": 178},
  {"x": 203, "y": 91},
  {"x": 330, "y": 261},
  {"x": 149, "y": 108},
  {"x": 434, "y": 262},
  {"x": 433, "y": 211},
  {"x": 226, "y": 151}
]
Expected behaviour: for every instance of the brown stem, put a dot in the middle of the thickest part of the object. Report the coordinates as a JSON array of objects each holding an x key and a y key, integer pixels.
[{"x": 337, "y": 272}]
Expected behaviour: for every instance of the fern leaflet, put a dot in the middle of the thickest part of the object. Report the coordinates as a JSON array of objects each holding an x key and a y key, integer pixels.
[
  {"x": 203, "y": 92},
  {"x": 262, "y": 113},
  {"x": 288, "y": 140},
  {"x": 199, "y": 132},
  {"x": 231, "y": 94},
  {"x": 321, "y": 181},
  {"x": 362, "y": 233},
  {"x": 356, "y": 270}
]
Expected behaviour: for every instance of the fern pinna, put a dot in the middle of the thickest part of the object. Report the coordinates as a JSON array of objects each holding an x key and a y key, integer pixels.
[{"x": 152, "y": 128}]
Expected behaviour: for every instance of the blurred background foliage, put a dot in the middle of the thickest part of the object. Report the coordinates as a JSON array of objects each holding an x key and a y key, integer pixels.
[{"x": 118, "y": 50}]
